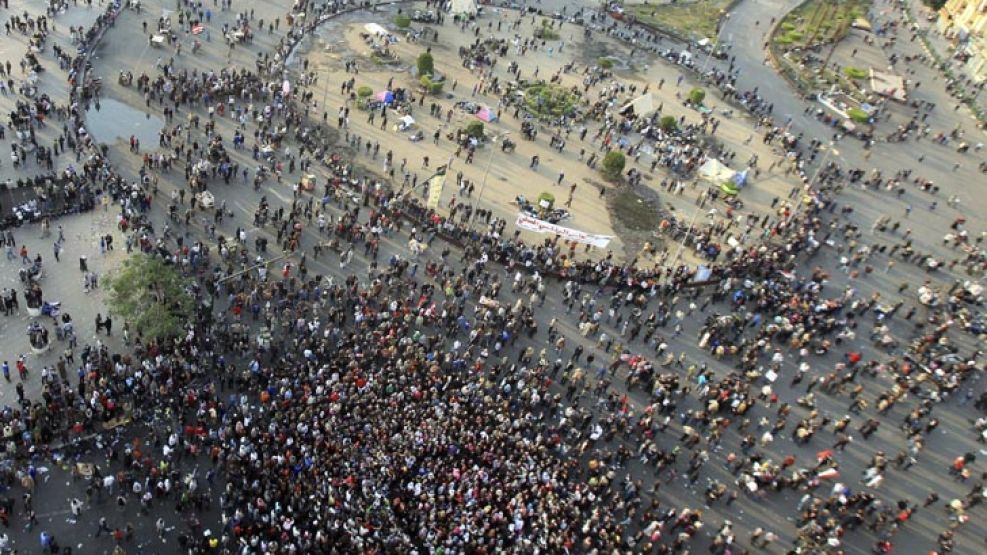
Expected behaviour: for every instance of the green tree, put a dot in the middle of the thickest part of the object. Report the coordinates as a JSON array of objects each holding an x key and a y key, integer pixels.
[
  {"x": 153, "y": 296},
  {"x": 613, "y": 164},
  {"x": 696, "y": 96},
  {"x": 364, "y": 91},
  {"x": 546, "y": 31},
  {"x": 668, "y": 123},
  {"x": 475, "y": 129},
  {"x": 605, "y": 63},
  {"x": 426, "y": 65},
  {"x": 402, "y": 21}
]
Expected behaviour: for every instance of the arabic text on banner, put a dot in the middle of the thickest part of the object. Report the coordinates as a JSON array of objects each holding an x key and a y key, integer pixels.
[{"x": 567, "y": 233}]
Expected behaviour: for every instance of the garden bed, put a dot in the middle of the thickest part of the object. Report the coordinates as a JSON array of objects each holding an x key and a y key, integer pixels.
[
  {"x": 548, "y": 100},
  {"x": 689, "y": 20},
  {"x": 818, "y": 22}
]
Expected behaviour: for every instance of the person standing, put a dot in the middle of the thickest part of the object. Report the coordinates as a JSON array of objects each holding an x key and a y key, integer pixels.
[
  {"x": 160, "y": 526},
  {"x": 102, "y": 527}
]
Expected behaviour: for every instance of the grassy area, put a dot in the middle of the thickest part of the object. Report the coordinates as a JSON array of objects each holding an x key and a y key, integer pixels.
[
  {"x": 812, "y": 24},
  {"x": 855, "y": 72},
  {"x": 858, "y": 115},
  {"x": 819, "y": 22},
  {"x": 550, "y": 100},
  {"x": 689, "y": 19},
  {"x": 635, "y": 212}
]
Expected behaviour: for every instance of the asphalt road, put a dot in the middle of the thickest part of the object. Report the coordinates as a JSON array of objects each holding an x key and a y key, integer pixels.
[{"x": 775, "y": 513}]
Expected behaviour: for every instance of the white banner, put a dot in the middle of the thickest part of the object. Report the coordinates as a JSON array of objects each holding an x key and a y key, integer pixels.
[
  {"x": 569, "y": 234},
  {"x": 435, "y": 185}
]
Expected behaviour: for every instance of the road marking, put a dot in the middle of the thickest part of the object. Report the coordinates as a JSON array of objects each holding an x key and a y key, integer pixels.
[{"x": 279, "y": 195}]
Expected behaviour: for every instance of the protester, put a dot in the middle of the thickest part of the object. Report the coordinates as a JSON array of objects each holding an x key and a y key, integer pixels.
[{"x": 388, "y": 409}]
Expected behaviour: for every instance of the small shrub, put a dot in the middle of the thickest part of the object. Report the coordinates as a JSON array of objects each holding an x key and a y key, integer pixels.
[
  {"x": 613, "y": 164},
  {"x": 426, "y": 64},
  {"x": 545, "y": 32},
  {"x": 433, "y": 87},
  {"x": 855, "y": 72},
  {"x": 364, "y": 91},
  {"x": 402, "y": 21},
  {"x": 475, "y": 129},
  {"x": 696, "y": 96},
  {"x": 858, "y": 115},
  {"x": 605, "y": 63},
  {"x": 668, "y": 123}
]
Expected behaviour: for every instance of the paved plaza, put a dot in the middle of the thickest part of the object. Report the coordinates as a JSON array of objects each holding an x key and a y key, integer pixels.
[{"x": 375, "y": 365}]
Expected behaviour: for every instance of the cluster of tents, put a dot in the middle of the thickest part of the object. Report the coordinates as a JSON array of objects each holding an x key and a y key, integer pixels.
[{"x": 729, "y": 180}]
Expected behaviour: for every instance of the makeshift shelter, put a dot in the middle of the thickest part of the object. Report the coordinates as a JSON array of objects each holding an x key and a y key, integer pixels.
[
  {"x": 486, "y": 114},
  {"x": 740, "y": 178},
  {"x": 643, "y": 105},
  {"x": 462, "y": 7},
  {"x": 387, "y": 97},
  {"x": 862, "y": 24},
  {"x": 729, "y": 181},
  {"x": 889, "y": 85},
  {"x": 716, "y": 171},
  {"x": 733, "y": 185},
  {"x": 375, "y": 29}
]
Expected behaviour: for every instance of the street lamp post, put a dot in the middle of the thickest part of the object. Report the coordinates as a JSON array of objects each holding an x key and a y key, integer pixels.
[
  {"x": 812, "y": 181},
  {"x": 486, "y": 173},
  {"x": 325, "y": 94},
  {"x": 716, "y": 42},
  {"x": 688, "y": 234}
]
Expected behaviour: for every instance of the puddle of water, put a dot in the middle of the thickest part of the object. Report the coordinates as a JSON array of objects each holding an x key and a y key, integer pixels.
[
  {"x": 619, "y": 64},
  {"x": 116, "y": 120},
  {"x": 327, "y": 37}
]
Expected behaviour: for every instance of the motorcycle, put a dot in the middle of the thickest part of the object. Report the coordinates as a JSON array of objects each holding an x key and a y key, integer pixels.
[
  {"x": 52, "y": 309},
  {"x": 33, "y": 274},
  {"x": 807, "y": 401}
]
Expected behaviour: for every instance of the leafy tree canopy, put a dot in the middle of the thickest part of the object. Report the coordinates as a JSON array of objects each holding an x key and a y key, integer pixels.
[{"x": 153, "y": 296}]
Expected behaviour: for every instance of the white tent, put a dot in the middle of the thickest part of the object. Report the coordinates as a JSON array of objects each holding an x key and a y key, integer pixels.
[
  {"x": 643, "y": 105},
  {"x": 467, "y": 7},
  {"x": 715, "y": 171},
  {"x": 888, "y": 84},
  {"x": 375, "y": 29}
]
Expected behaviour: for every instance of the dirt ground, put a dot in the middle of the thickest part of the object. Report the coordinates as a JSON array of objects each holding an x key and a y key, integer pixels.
[{"x": 509, "y": 174}]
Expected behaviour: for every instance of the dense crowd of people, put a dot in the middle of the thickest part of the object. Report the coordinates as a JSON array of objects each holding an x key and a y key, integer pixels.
[{"x": 434, "y": 402}]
